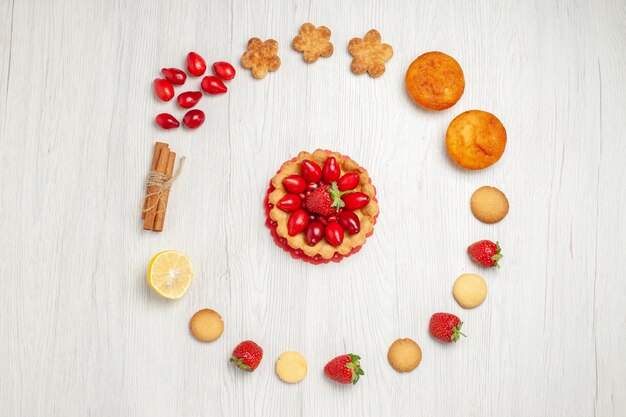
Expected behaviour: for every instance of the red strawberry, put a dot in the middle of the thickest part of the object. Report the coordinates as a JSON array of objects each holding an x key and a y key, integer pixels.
[
  {"x": 319, "y": 202},
  {"x": 445, "y": 327},
  {"x": 247, "y": 355},
  {"x": 345, "y": 369},
  {"x": 485, "y": 253}
]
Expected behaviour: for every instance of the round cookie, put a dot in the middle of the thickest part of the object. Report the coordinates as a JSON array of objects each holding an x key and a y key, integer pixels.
[
  {"x": 404, "y": 355},
  {"x": 291, "y": 367},
  {"x": 469, "y": 290},
  {"x": 435, "y": 81},
  {"x": 489, "y": 205},
  {"x": 206, "y": 325},
  {"x": 475, "y": 139}
]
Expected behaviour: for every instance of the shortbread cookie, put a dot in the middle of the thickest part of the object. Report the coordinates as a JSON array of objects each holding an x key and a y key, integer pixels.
[
  {"x": 313, "y": 42},
  {"x": 489, "y": 204},
  {"x": 261, "y": 57},
  {"x": 291, "y": 367},
  {"x": 475, "y": 139},
  {"x": 369, "y": 54},
  {"x": 206, "y": 325},
  {"x": 404, "y": 355},
  {"x": 469, "y": 290},
  {"x": 435, "y": 81}
]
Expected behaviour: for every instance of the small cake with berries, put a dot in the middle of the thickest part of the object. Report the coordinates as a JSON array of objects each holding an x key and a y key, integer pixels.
[{"x": 321, "y": 206}]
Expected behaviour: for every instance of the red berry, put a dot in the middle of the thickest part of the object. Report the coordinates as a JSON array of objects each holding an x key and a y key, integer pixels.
[
  {"x": 356, "y": 200},
  {"x": 294, "y": 184},
  {"x": 193, "y": 118},
  {"x": 345, "y": 369},
  {"x": 485, "y": 253},
  {"x": 331, "y": 170},
  {"x": 224, "y": 70},
  {"x": 319, "y": 202},
  {"x": 195, "y": 64},
  {"x": 349, "y": 221},
  {"x": 166, "y": 121},
  {"x": 189, "y": 99},
  {"x": 213, "y": 85},
  {"x": 334, "y": 234},
  {"x": 348, "y": 181},
  {"x": 174, "y": 75},
  {"x": 445, "y": 327},
  {"x": 289, "y": 203},
  {"x": 247, "y": 355},
  {"x": 163, "y": 89},
  {"x": 314, "y": 233},
  {"x": 310, "y": 171},
  {"x": 297, "y": 222}
]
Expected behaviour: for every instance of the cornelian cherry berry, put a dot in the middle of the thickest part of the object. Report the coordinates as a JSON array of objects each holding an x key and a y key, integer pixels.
[
  {"x": 174, "y": 75},
  {"x": 331, "y": 170},
  {"x": 310, "y": 171},
  {"x": 348, "y": 181},
  {"x": 163, "y": 89},
  {"x": 349, "y": 221},
  {"x": 334, "y": 234},
  {"x": 188, "y": 99},
  {"x": 166, "y": 121},
  {"x": 195, "y": 64},
  {"x": 314, "y": 233},
  {"x": 356, "y": 200},
  {"x": 297, "y": 222},
  {"x": 213, "y": 85},
  {"x": 294, "y": 184},
  {"x": 289, "y": 203},
  {"x": 193, "y": 118},
  {"x": 224, "y": 70}
]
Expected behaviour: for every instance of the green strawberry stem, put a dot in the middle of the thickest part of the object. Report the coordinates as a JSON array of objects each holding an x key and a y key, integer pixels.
[
  {"x": 336, "y": 195},
  {"x": 355, "y": 365},
  {"x": 239, "y": 363},
  {"x": 495, "y": 258},
  {"x": 456, "y": 331}
]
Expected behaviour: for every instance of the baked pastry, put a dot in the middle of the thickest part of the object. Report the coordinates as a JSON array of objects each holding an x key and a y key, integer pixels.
[
  {"x": 404, "y": 355},
  {"x": 321, "y": 206},
  {"x": 435, "y": 81},
  {"x": 489, "y": 205},
  {"x": 291, "y": 367},
  {"x": 475, "y": 139},
  {"x": 469, "y": 290},
  {"x": 206, "y": 325}
]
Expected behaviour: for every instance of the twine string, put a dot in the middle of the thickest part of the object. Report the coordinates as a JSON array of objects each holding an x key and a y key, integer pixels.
[{"x": 163, "y": 183}]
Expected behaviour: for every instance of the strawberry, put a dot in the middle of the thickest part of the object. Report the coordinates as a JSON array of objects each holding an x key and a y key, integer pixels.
[
  {"x": 445, "y": 327},
  {"x": 485, "y": 253},
  {"x": 345, "y": 369},
  {"x": 247, "y": 355},
  {"x": 320, "y": 202}
]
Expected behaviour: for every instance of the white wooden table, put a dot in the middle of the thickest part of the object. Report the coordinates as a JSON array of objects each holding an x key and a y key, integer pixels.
[{"x": 82, "y": 334}]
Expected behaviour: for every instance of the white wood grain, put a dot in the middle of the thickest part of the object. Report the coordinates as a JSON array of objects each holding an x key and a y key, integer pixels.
[{"x": 82, "y": 334}]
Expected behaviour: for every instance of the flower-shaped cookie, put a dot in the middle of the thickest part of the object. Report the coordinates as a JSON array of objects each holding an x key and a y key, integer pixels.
[
  {"x": 313, "y": 42},
  {"x": 370, "y": 54},
  {"x": 261, "y": 57}
]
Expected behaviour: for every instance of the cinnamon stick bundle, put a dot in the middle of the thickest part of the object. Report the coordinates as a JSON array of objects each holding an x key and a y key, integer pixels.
[{"x": 158, "y": 188}]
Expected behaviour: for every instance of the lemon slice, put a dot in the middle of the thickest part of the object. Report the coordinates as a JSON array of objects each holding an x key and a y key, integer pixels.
[{"x": 170, "y": 273}]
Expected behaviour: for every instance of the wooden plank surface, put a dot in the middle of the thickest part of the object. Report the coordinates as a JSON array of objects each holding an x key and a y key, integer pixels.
[{"x": 82, "y": 334}]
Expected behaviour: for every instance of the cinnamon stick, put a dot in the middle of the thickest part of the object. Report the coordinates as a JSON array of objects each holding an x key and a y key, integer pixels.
[
  {"x": 153, "y": 197},
  {"x": 159, "y": 219},
  {"x": 155, "y": 160}
]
